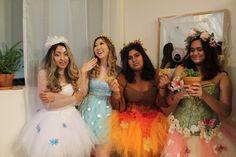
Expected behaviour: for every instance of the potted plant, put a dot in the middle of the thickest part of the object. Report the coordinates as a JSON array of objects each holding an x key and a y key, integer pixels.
[
  {"x": 10, "y": 62},
  {"x": 191, "y": 76}
]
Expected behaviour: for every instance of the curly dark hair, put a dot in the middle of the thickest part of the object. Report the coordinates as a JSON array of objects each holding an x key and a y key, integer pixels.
[
  {"x": 210, "y": 65},
  {"x": 148, "y": 72}
]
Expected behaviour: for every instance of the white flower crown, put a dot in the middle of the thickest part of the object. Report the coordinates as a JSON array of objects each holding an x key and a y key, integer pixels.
[{"x": 55, "y": 40}]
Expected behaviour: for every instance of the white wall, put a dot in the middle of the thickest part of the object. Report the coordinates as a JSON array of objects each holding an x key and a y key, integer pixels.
[
  {"x": 141, "y": 18},
  {"x": 12, "y": 118}
]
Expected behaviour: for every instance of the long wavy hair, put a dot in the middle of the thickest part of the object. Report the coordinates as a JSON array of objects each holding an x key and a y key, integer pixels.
[
  {"x": 70, "y": 72},
  {"x": 210, "y": 66},
  {"x": 111, "y": 58},
  {"x": 148, "y": 72}
]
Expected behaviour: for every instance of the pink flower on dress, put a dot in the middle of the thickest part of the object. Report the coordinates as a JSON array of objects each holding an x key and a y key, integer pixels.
[
  {"x": 209, "y": 122},
  {"x": 187, "y": 150},
  {"x": 219, "y": 148}
]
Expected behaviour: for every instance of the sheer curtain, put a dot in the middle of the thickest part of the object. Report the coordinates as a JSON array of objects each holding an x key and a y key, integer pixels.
[{"x": 80, "y": 21}]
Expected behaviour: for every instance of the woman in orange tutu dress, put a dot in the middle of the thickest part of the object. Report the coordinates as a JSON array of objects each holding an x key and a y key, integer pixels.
[{"x": 139, "y": 127}]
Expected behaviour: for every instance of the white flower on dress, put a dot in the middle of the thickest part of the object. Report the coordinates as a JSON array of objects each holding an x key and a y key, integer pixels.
[
  {"x": 207, "y": 128},
  {"x": 194, "y": 129}
]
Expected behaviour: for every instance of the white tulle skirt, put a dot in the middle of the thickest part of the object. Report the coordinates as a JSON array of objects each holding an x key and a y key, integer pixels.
[{"x": 57, "y": 133}]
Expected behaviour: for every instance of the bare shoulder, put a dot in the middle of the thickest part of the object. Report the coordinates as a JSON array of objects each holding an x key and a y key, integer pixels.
[
  {"x": 121, "y": 77},
  {"x": 224, "y": 76}
]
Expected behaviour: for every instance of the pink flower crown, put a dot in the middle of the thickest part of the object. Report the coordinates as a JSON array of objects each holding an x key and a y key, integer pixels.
[{"x": 204, "y": 35}]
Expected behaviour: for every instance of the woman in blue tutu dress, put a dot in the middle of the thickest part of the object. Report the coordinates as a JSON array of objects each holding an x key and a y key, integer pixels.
[
  {"x": 57, "y": 130},
  {"x": 99, "y": 81}
]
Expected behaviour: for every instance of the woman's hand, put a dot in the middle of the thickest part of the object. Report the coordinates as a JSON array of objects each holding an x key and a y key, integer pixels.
[
  {"x": 194, "y": 90},
  {"x": 47, "y": 97},
  {"x": 79, "y": 96},
  {"x": 89, "y": 65},
  {"x": 114, "y": 85},
  {"x": 164, "y": 80}
]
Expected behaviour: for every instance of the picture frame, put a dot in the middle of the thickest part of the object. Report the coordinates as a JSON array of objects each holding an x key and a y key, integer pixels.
[{"x": 175, "y": 29}]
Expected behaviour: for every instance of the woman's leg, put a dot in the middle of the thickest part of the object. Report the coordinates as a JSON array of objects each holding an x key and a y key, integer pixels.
[{"x": 102, "y": 150}]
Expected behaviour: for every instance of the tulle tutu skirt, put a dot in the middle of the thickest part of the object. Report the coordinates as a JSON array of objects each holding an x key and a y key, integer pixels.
[
  {"x": 221, "y": 145},
  {"x": 57, "y": 133},
  {"x": 95, "y": 111},
  {"x": 138, "y": 132}
]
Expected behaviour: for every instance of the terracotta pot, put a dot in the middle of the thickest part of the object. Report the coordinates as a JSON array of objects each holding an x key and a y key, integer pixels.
[
  {"x": 190, "y": 80},
  {"x": 6, "y": 81}
]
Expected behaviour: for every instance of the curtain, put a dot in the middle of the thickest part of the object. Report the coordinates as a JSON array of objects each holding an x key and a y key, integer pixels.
[
  {"x": 80, "y": 21},
  {"x": 47, "y": 18}
]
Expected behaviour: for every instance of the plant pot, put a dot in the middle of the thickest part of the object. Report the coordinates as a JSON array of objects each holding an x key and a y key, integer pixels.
[
  {"x": 6, "y": 81},
  {"x": 190, "y": 80}
]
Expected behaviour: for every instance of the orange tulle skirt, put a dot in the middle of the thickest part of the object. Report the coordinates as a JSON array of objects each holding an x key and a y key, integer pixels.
[{"x": 138, "y": 132}]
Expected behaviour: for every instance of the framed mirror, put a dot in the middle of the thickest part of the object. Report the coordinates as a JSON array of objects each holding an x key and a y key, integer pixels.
[{"x": 175, "y": 29}]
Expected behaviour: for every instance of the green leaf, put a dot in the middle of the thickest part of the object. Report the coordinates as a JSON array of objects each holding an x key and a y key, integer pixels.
[
  {"x": 10, "y": 58},
  {"x": 191, "y": 72}
]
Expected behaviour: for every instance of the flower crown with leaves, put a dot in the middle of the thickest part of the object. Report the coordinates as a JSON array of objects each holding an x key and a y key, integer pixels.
[
  {"x": 204, "y": 35},
  {"x": 55, "y": 40},
  {"x": 137, "y": 41}
]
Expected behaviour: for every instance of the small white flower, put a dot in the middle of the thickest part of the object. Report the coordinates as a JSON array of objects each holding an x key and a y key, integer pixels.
[
  {"x": 171, "y": 117},
  {"x": 186, "y": 132},
  {"x": 194, "y": 129},
  {"x": 204, "y": 35}
]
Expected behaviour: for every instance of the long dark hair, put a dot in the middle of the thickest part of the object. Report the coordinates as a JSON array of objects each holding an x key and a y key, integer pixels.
[
  {"x": 148, "y": 71},
  {"x": 210, "y": 65}
]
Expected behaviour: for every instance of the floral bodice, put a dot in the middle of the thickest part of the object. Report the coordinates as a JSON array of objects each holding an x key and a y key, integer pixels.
[
  {"x": 192, "y": 115},
  {"x": 99, "y": 88}
]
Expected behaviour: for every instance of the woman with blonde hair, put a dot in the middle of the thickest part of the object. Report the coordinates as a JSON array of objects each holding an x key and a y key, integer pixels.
[
  {"x": 99, "y": 81},
  {"x": 57, "y": 130}
]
